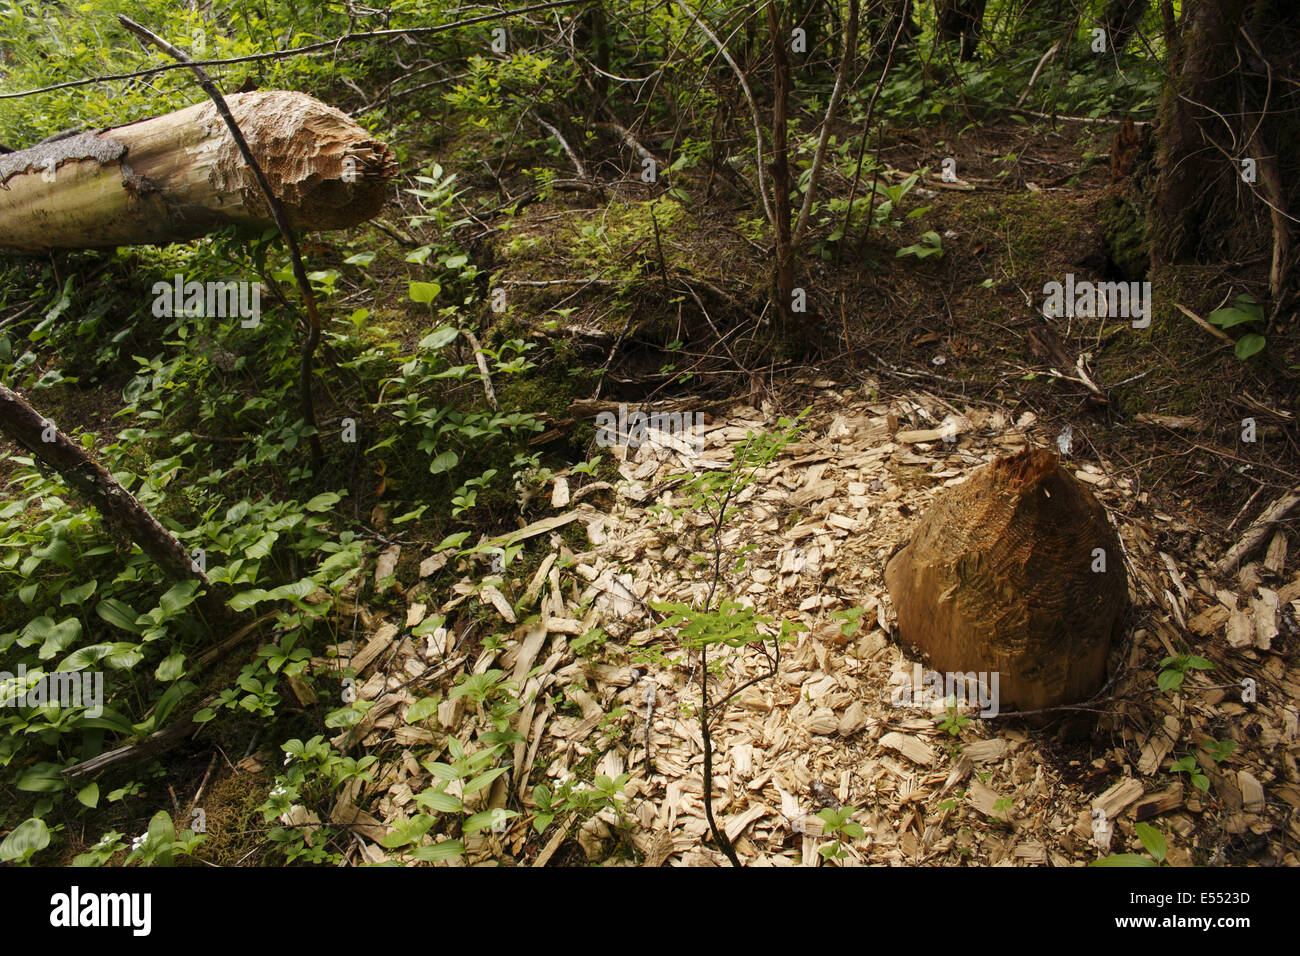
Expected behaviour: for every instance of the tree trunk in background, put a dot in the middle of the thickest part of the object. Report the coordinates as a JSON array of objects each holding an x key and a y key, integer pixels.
[
  {"x": 179, "y": 176},
  {"x": 598, "y": 28},
  {"x": 783, "y": 266},
  {"x": 880, "y": 23},
  {"x": 1122, "y": 18},
  {"x": 960, "y": 21},
  {"x": 25, "y": 426},
  {"x": 1216, "y": 110}
]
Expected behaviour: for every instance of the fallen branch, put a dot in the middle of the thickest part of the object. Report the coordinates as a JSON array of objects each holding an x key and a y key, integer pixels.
[
  {"x": 1258, "y": 533},
  {"x": 151, "y": 746},
  {"x": 577, "y": 161},
  {"x": 119, "y": 508},
  {"x": 482, "y": 369},
  {"x": 1217, "y": 333}
]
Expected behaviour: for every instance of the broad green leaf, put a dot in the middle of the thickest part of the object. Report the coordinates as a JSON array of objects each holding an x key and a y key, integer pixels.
[
  {"x": 483, "y": 779},
  {"x": 440, "y": 337},
  {"x": 422, "y": 709},
  {"x": 246, "y": 599},
  {"x": 110, "y": 720},
  {"x": 407, "y": 832},
  {"x": 178, "y": 597},
  {"x": 486, "y": 819},
  {"x": 1252, "y": 343},
  {"x": 78, "y": 594},
  {"x": 324, "y": 501},
  {"x": 439, "y": 801},
  {"x": 439, "y": 851},
  {"x": 298, "y": 589},
  {"x": 444, "y": 462},
  {"x": 1124, "y": 859},
  {"x": 172, "y": 666},
  {"x": 424, "y": 292},
  {"x": 124, "y": 656},
  {"x": 1153, "y": 840},
  {"x": 83, "y": 657},
  {"x": 57, "y": 551},
  {"x": 441, "y": 770},
  {"x": 42, "y": 778},
  {"x": 60, "y": 636},
  {"x": 29, "y": 837},
  {"x": 161, "y": 829},
  {"x": 263, "y": 546},
  {"x": 451, "y": 541},
  {"x": 88, "y": 796},
  {"x": 1169, "y": 680}
]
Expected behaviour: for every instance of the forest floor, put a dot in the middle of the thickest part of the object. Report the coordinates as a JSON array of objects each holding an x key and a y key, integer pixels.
[
  {"x": 892, "y": 346},
  {"x": 829, "y": 730},
  {"x": 666, "y": 297}
]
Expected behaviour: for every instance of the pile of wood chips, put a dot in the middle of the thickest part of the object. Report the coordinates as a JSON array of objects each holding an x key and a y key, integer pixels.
[{"x": 824, "y": 733}]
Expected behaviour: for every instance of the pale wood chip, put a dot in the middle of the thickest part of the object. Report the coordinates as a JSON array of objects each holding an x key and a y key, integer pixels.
[
  {"x": 386, "y": 563},
  {"x": 498, "y": 601},
  {"x": 986, "y": 800},
  {"x": 560, "y": 492},
  {"x": 433, "y": 563},
  {"x": 909, "y": 746},
  {"x": 984, "y": 751},
  {"x": 374, "y": 647},
  {"x": 415, "y": 613},
  {"x": 539, "y": 578},
  {"x": 1155, "y": 804},
  {"x": 737, "y": 824},
  {"x": 1119, "y": 796},
  {"x": 1252, "y": 792},
  {"x": 1275, "y": 557}
]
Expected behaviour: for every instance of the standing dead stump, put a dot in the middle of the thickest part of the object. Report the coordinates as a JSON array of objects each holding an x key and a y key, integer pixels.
[{"x": 1015, "y": 571}]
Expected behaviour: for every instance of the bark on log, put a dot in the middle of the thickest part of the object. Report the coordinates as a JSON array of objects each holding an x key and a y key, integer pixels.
[
  {"x": 1001, "y": 576},
  {"x": 175, "y": 177}
]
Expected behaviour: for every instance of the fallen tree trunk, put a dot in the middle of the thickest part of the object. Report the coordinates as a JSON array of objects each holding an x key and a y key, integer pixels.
[{"x": 175, "y": 177}]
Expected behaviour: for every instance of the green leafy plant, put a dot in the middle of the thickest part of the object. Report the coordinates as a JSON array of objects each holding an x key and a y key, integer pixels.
[
  {"x": 850, "y": 620},
  {"x": 579, "y": 799},
  {"x": 1174, "y": 669},
  {"x": 314, "y": 773},
  {"x": 952, "y": 722},
  {"x": 24, "y": 841},
  {"x": 1219, "y": 750},
  {"x": 1153, "y": 841},
  {"x": 931, "y": 244},
  {"x": 839, "y": 824},
  {"x": 1244, "y": 310},
  {"x": 729, "y": 623},
  {"x": 1194, "y": 773}
]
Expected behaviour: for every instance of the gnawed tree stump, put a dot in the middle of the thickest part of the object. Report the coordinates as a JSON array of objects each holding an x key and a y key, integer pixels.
[
  {"x": 1005, "y": 574},
  {"x": 179, "y": 176}
]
